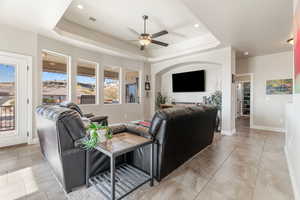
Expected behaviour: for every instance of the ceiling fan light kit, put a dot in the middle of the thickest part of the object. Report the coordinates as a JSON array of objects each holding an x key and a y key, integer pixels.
[
  {"x": 145, "y": 38},
  {"x": 290, "y": 41}
]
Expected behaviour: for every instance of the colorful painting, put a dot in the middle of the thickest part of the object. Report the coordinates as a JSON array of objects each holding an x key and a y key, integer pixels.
[
  {"x": 297, "y": 49},
  {"x": 282, "y": 86}
]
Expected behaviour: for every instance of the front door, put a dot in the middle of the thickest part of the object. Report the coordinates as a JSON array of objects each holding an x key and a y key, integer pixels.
[{"x": 13, "y": 99}]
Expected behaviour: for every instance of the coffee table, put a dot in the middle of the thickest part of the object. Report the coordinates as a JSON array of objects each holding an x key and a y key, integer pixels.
[{"x": 120, "y": 181}]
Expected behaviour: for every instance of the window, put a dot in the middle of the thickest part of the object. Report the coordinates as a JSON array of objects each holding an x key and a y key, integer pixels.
[
  {"x": 54, "y": 78},
  {"x": 7, "y": 97},
  {"x": 86, "y": 82},
  {"x": 111, "y": 85},
  {"x": 132, "y": 86}
]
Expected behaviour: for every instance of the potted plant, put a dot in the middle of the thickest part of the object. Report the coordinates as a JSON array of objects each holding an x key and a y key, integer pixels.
[
  {"x": 96, "y": 134},
  {"x": 216, "y": 100},
  {"x": 160, "y": 99}
]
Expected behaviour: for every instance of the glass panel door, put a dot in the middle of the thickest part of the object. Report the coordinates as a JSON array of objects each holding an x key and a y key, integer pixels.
[
  {"x": 14, "y": 112},
  {"x": 7, "y": 97}
]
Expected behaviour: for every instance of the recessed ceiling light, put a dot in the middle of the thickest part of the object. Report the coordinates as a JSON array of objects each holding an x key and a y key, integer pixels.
[
  {"x": 80, "y": 6},
  {"x": 290, "y": 41},
  {"x": 92, "y": 19},
  {"x": 196, "y": 25}
]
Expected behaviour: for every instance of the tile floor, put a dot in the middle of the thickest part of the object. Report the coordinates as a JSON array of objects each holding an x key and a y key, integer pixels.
[{"x": 249, "y": 165}]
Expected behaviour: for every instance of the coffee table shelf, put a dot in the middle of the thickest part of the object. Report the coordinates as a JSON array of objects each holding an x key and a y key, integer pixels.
[
  {"x": 127, "y": 179},
  {"x": 120, "y": 181}
]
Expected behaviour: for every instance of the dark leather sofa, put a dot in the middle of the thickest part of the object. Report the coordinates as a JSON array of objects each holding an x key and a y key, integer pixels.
[
  {"x": 179, "y": 134},
  {"x": 60, "y": 131},
  {"x": 58, "y": 128},
  {"x": 99, "y": 119}
]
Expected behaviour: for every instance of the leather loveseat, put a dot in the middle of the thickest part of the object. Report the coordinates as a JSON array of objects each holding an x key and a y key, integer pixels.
[
  {"x": 60, "y": 131},
  {"x": 179, "y": 134}
]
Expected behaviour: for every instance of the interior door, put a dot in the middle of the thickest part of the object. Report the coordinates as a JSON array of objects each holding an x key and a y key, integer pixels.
[{"x": 13, "y": 100}]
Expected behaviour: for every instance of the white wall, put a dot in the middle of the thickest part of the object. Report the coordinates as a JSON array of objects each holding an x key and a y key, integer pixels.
[
  {"x": 292, "y": 147},
  {"x": 268, "y": 110},
  {"x": 17, "y": 41},
  {"x": 212, "y": 82},
  {"x": 223, "y": 58}
]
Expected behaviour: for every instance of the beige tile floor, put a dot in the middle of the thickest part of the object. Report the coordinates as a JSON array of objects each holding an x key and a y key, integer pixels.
[{"x": 249, "y": 165}]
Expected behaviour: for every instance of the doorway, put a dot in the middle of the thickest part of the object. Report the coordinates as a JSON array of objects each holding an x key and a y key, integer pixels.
[
  {"x": 15, "y": 113},
  {"x": 244, "y": 97}
]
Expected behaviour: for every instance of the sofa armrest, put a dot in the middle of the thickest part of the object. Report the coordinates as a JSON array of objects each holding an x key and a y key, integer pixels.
[
  {"x": 117, "y": 128},
  {"x": 99, "y": 119},
  {"x": 139, "y": 130},
  {"x": 88, "y": 115}
]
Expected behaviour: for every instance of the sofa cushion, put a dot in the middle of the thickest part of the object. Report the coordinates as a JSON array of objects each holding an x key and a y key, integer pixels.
[
  {"x": 69, "y": 118},
  {"x": 73, "y": 106}
]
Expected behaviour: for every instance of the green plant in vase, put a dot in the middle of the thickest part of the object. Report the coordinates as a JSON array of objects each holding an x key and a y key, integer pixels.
[
  {"x": 96, "y": 133},
  {"x": 160, "y": 99},
  {"x": 216, "y": 100}
]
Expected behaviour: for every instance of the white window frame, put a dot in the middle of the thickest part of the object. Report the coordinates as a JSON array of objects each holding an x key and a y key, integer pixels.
[
  {"x": 69, "y": 61},
  {"x": 120, "y": 85},
  {"x": 28, "y": 108},
  {"x": 97, "y": 102}
]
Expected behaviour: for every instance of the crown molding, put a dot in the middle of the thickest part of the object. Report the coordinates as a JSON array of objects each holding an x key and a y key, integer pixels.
[
  {"x": 96, "y": 41},
  {"x": 186, "y": 52},
  {"x": 93, "y": 45}
]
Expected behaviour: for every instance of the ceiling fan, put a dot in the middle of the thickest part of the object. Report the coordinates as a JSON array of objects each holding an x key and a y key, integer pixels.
[{"x": 145, "y": 38}]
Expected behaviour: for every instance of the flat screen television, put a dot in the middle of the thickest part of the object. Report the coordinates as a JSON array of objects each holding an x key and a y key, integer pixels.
[{"x": 189, "y": 81}]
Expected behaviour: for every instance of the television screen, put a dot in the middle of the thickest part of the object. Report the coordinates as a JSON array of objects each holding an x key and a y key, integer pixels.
[{"x": 189, "y": 81}]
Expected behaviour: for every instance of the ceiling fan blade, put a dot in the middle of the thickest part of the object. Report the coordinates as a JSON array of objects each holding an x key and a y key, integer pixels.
[
  {"x": 159, "y": 43},
  {"x": 133, "y": 31},
  {"x": 171, "y": 30},
  {"x": 155, "y": 35},
  {"x": 142, "y": 48}
]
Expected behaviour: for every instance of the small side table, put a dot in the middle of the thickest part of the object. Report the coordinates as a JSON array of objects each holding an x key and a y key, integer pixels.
[{"x": 120, "y": 181}]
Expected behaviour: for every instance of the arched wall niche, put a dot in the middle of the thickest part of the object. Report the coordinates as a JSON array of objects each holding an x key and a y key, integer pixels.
[
  {"x": 223, "y": 58},
  {"x": 213, "y": 81}
]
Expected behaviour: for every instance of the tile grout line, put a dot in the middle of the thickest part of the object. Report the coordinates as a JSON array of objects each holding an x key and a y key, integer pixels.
[
  {"x": 213, "y": 175},
  {"x": 258, "y": 168}
]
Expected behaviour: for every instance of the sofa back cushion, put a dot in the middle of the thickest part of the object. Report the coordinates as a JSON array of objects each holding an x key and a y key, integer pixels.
[
  {"x": 67, "y": 122},
  {"x": 73, "y": 106},
  {"x": 181, "y": 133}
]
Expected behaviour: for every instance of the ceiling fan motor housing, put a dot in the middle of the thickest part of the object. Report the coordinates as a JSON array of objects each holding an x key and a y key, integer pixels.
[
  {"x": 145, "y": 17},
  {"x": 145, "y": 38}
]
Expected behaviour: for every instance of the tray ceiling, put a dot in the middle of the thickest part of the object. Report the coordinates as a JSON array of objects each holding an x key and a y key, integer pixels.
[{"x": 115, "y": 18}]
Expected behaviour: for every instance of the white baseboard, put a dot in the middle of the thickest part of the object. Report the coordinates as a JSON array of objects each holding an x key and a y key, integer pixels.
[
  {"x": 268, "y": 128},
  {"x": 228, "y": 133},
  {"x": 33, "y": 141},
  {"x": 292, "y": 176},
  {"x": 7, "y": 143}
]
